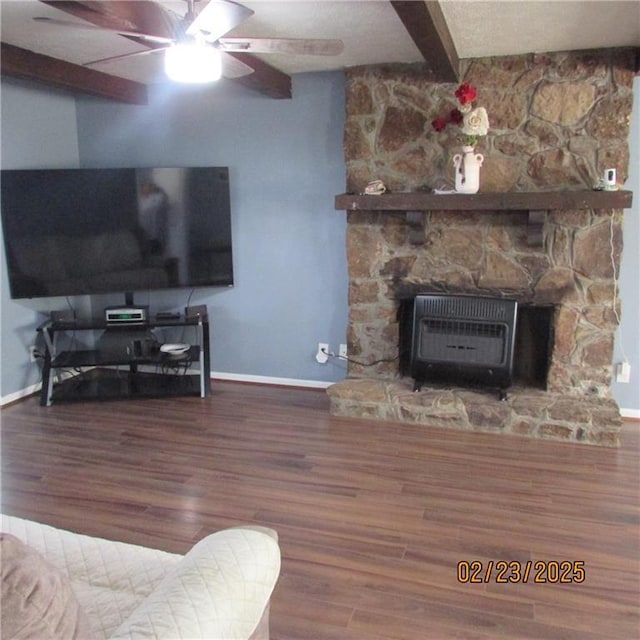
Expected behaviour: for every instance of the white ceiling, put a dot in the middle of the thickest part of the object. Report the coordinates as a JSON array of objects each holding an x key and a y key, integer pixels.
[
  {"x": 481, "y": 29},
  {"x": 370, "y": 29}
]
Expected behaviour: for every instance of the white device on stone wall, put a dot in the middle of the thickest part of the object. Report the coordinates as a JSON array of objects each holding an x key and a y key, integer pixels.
[{"x": 610, "y": 180}]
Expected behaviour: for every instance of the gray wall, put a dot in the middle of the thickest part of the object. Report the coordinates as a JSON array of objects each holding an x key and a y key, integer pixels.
[
  {"x": 286, "y": 165},
  {"x": 38, "y": 130},
  {"x": 628, "y": 338}
]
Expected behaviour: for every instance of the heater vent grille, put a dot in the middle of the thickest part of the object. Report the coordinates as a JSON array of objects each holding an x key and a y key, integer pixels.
[
  {"x": 465, "y": 307},
  {"x": 463, "y": 339}
]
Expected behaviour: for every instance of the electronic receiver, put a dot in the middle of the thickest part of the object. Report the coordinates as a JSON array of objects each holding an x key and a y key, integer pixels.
[{"x": 126, "y": 315}]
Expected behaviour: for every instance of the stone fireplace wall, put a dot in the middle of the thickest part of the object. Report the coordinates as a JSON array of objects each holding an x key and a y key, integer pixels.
[{"x": 556, "y": 122}]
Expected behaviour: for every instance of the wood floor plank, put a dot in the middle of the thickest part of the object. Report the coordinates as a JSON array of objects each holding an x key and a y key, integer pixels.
[{"x": 373, "y": 517}]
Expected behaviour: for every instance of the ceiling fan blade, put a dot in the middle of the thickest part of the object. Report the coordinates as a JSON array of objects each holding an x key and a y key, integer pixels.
[
  {"x": 123, "y": 56},
  {"x": 137, "y": 16},
  {"x": 231, "y": 67},
  {"x": 91, "y": 27},
  {"x": 217, "y": 18},
  {"x": 234, "y": 68},
  {"x": 295, "y": 46}
]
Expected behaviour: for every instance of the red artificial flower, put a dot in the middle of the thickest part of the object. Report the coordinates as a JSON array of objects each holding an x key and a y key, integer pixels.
[
  {"x": 456, "y": 116},
  {"x": 465, "y": 93},
  {"x": 439, "y": 124},
  {"x": 473, "y": 122}
]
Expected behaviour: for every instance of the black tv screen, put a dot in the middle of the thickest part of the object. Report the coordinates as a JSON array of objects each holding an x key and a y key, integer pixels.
[{"x": 88, "y": 231}]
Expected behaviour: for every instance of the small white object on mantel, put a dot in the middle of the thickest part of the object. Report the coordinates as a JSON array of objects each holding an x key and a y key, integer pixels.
[{"x": 375, "y": 188}]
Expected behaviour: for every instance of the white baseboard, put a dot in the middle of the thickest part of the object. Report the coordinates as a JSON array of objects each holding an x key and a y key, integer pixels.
[
  {"x": 284, "y": 382},
  {"x": 18, "y": 395},
  {"x": 630, "y": 413}
]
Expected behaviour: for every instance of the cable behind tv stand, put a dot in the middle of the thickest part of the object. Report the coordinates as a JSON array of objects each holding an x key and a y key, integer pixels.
[{"x": 124, "y": 362}]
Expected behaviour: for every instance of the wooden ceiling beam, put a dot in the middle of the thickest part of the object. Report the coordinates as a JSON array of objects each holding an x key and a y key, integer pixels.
[
  {"x": 425, "y": 23},
  {"x": 265, "y": 78},
  {"x": 28, "y": 65}
]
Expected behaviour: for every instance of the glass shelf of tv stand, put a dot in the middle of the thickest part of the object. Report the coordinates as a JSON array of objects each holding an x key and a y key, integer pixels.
[
  {"x": 120, "y": 373},
  {"x": 100, "y": 323},
  {"x": 97, "y": 358},
  {"x": 119, "y": 383}
]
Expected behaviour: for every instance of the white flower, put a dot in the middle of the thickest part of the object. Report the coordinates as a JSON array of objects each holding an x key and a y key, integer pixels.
[{"x": 476, "y": 122}]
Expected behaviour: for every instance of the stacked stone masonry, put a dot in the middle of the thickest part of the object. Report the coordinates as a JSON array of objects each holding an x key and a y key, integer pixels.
[
  {"x": 557, "y": 121},
  {"x": 525, "y": 412}
]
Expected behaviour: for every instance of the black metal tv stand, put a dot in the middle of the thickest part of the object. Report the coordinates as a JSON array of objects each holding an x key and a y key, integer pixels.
[{"x": 96, "y": 373}]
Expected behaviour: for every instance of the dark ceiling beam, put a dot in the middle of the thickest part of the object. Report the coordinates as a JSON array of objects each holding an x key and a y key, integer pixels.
[
  {"x": 145, "y": 16},
  {"x": 425, "y": 22},
  {"x": 265, "y": 78},
  {"x": 28, "y": 65}
]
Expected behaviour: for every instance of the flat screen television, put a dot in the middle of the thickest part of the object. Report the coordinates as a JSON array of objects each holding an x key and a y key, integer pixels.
[{"x": 74, "y": 232}]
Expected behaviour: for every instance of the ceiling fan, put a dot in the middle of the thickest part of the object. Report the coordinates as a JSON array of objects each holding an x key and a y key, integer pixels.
[{"x": 195, "y": 45}]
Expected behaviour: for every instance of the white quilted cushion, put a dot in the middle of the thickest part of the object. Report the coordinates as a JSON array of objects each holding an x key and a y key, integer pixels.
[
  {"x": 219, "y": 590},
  {"x": 108, "y": 578}
]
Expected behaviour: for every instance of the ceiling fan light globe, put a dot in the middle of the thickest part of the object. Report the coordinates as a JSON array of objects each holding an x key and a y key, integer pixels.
[{"x": 193, "y": 63}]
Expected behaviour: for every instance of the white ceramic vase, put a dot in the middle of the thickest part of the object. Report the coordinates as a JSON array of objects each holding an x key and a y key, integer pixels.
[{"x": 467, "y": 166}]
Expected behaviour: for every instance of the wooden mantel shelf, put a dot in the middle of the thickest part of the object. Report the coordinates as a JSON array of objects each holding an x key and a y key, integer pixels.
[
  {"x": 536, "y": 203},
  {"x": 513, "y": 201}
]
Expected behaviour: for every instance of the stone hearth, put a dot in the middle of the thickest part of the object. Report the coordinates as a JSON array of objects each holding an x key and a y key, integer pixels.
[
  {"x": 527, "y": 412},
  {"x": 556, "y": 122}
]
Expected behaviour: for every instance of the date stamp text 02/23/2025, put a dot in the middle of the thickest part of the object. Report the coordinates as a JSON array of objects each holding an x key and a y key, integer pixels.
[{"x": 518, "y": 572}]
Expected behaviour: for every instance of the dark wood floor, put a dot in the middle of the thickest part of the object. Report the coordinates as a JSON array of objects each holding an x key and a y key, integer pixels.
[{"x": 374, "y": 518}]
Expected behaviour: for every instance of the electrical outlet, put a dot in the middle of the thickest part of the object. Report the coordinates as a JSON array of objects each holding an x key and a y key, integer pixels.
[
  {"x": 32, "y": 353},
  {"x": 623, "y": 372},
  {"x": 342, "y": 351},
  {"x": 323, "y": 353}
]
